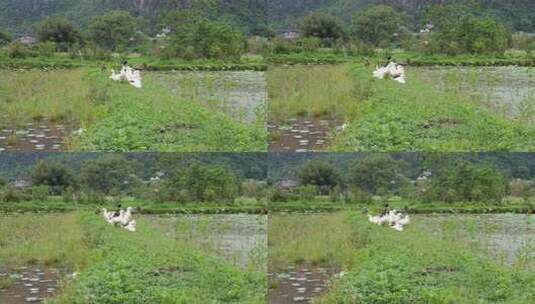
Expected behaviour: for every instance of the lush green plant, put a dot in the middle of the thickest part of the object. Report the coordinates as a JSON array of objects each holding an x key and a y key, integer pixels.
[
  {"x": 459, "y": 30},
  {"x": 320, "y": 174},
  {"x": 207, "y": 39},
  {"x": 109, "y": 174},
  {"x": 18, "y": 50},
  {"x": 463, "y": 181},
  {"x": 326, "y": 27},
  {"x": 54, "y": 175},
  {"x": 58, "y": 30},
  {"x": 378, "y": 174},
  {"x": 202, "y": 183},
  {"x": 5, "y": 38},
  {"x": 113, "y": 30},
  {"x": 378, "y": 25}
]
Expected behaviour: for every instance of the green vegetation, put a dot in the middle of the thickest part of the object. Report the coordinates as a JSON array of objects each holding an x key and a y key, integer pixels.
[
  {"x": 323, "y": 91},
  {"x": 151, "y": 267},
  {"x": 445, "y": 270},
  {"x": 417, "y": 117},
  {"x": 120, "y": 118},
  {"x": 379, "y": 25}
]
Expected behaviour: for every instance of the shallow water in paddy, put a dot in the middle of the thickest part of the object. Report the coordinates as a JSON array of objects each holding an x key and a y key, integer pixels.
[
  {"x": 241, "y": 239},
  {"x": 240, "y": 94},
  {"x": 509, "y": 90},
  {"x": 508, "y": 238}
]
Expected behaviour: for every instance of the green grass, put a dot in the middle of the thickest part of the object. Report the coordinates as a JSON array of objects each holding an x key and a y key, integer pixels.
[
  {"x": 58, "y": 96},
  {"x": 119, "y": 117},
  {"x": 117, "y": 266},
  {"x": 57, "y": 205},
  {"x": 317, "y": 239},
  {"x": 416, "y": 267},
  {"x": 416, "y": 117},
  {"x": 313, "y": 91}
]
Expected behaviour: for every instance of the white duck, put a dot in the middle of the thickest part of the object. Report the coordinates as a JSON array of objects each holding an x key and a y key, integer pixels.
[
  {"x": 393, "y": 219},
  {"x": 129, "y": 75},
  {"x": 393, "y": 70},
  {"x": 124, "y": 219}
]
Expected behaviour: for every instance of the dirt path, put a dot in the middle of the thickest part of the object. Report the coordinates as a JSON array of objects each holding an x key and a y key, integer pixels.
[
  {"x": 301, "y": 135},
  {"x": 300, "y": 284},
  {"x": 29, "y": 284},
  {"x": 42, "y": 136}
]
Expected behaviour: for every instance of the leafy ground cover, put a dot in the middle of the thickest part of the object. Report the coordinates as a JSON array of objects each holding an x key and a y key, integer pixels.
[
  {"x": 416, "y": 267},
  {"x": 116, "y": 266},
  {"x": 418, "y": 117}
]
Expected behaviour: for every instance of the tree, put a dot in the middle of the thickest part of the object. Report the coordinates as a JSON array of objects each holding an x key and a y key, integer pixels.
[
  {"x": 463, "y": 29},
  {"x": 378, "y": 25},
  {"x": 52, "y": 174},
  {"x": 110, "y": 174},
  {"x": 324, "y": 26},
  {"x": 58, "y": 30},
  {"x": 202, "y": 183},
  {"x": 113, "y": 30},
  {"x": 378, "y": 174},
  {"x": 468, "y": 181},
  {"x": 207, "y": 39},
  {"x": 320, "y": 174},
  {"x": 5, "y": 38}
]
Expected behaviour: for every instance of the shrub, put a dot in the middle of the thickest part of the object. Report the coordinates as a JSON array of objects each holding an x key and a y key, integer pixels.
[
  {"x": 108, "y": 174},
  {"x": 11, "y": 194},
  {"x": 40, "y": 193},
  {"x": 324, "y": 27},
  {"x": 59, "y": 31},
  {"x": 378, "y": 174},
  {"x": 46, "y": 49},
  {"x": 320, "y": 174},
  {"x": 52, "y": 174},
  {"x": 378, "y": 25},
  {"x": 18, "y": 50}
]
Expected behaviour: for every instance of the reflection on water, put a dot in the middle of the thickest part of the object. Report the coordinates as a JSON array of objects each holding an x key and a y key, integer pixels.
[
  {"x": 239, "y": 238},
  {"x": 508, "y": 90},
  {"x": 241, "y": 94},
  {"x": 509, "y": 238}
]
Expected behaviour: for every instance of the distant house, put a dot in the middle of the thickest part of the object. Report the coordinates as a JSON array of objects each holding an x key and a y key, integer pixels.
[
  {"x": 21, "y": 183},
  {"x": 290, "y": 35},
  {"x": 288, "y": 184},
  {"x": 27, "y": 39}
]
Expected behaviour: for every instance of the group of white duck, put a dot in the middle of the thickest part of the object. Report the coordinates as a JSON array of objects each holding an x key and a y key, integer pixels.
[
  {"x": 393, "y": 219},
  {"x": 392, "y": 70},
  {"x": 127, "y": 74},
  {"x": 123, "y": 218}
]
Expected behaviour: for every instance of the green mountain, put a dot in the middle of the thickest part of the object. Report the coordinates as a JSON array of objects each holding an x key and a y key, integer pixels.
[{"x": 18, "y": 16}]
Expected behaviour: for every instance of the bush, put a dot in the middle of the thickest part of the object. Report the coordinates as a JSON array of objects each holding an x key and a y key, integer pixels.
[
  {"x": 59, "y": 31},
  {"x": 40, "y": 193},
  {"x": 52, "y": 174},
  {"x": 46, "y": 49},
  {"x": 18, "y": 50},
  {"x": 378, "y": 174},
  {"x": 202, "y": 183},
  {"x": 278, "y": 195},
  {"x": 306, "y": 192},
  {"x": 109, "y": 174},
  {"x": 464, "y": 181},
  {"x": 11, "y": 194},
  {"x": 5, "y": 38},
  {"x": 320, "y": 174},
  {"x": 324, "y": 27},
  {"x": 378, "y": 25}
]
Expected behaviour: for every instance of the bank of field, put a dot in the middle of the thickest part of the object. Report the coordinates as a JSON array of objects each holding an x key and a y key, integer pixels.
[
  {"x": 116, "y": 266},
  {"x": 426, "y": 114},
  {"x": 435, "y": 260},
  {"x": 118, "y": 117}
]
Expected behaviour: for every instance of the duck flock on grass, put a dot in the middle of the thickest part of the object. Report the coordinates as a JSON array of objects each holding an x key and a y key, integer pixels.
[
  {"x": 392, "y": 218},
  {"x": 392, "y": 70},
  {"x": 127, "y": 74},
  {"x": 121, "y": 218}
]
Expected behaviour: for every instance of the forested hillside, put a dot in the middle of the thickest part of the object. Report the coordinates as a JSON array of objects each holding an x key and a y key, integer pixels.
[{"x": 18, "y": 16}]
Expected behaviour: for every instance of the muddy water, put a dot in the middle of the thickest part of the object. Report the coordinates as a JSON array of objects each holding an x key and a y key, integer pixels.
[
  {"x": 241, "y": 239},
  {"x": 509, "y": 91},
  {"x": 506, "y": 237},
  {"x": 37, "y": 136},
  {"x": 302, "y": 135},
  {"x": 241, "y": 94},
  {"x": 29, "y": 284},
  {"x": 300, "y": 284}
]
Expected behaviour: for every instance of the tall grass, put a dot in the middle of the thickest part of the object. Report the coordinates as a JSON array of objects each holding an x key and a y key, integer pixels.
[
  {"x": 55, "y": 239},
  {"x": 58, "y": 96},
  {"x": 314, "y": 91},
  {"x": 319, "y": 239}
]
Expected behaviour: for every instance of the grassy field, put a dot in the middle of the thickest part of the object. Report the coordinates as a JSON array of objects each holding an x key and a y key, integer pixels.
[
  {"x": 328, "y": 91},
  {"x": 417, "y": 117},
  {"x": 385, "y": 266},
  {"x": 116, "y": 266},
  {"x": 416, "y": 267},
  {"x": 119, "y": 117}
]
